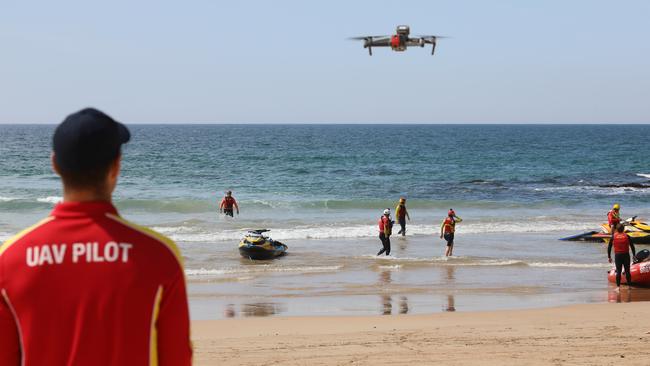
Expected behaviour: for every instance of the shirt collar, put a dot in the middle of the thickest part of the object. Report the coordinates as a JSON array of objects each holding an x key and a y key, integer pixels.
[{"x": 92, "y": 208}]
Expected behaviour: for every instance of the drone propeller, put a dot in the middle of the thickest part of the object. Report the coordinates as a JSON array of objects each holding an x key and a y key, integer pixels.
[
  {"x": 430, "y": 37},
  {"x": 431, "y": 40},
  {"x": 367, "y": 41},
  {"x": 365, "y": 37}
]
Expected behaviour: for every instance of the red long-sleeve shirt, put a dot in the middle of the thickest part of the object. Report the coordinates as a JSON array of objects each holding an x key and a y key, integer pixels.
[{"x": 86, "y": 287}]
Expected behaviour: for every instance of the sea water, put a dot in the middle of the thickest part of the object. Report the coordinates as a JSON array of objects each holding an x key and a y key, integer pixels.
[{"x": 321, "y": 189}]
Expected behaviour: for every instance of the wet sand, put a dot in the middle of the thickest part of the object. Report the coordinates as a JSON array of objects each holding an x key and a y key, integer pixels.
[{"x": 590, "y": 334}]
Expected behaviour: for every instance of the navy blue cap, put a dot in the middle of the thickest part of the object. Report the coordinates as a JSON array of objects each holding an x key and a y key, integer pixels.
[{"x": 88, "y": 139}]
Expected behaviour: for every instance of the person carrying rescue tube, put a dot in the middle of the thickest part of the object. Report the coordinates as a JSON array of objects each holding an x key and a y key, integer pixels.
[
  {"x": 614, "y": 217},
  {"x": 402, "y": 214},
  {"x": 447, "y": 230},
  {"x": 227, "y": 204},
  {"x": 622, "y": 245},
  {"x": 385, "y": 229}
]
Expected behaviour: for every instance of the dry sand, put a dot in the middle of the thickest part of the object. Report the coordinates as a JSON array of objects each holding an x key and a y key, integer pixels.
[{"x": 592, "y": 334}]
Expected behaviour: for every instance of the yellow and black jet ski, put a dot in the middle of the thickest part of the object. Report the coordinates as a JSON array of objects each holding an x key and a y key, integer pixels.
[
  {"x": 256, "y": 245},
  {"x": 638, "y": 231}
]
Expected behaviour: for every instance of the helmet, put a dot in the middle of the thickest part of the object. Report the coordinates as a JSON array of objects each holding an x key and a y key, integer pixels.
[
  {"x": 451, "y": 212},
  {"x": 616, "y": 206},
  {"x": 387, "y": 211}
]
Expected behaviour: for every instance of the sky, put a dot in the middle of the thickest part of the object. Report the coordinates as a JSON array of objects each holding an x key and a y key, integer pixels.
[{"x": 283, "y": 61}]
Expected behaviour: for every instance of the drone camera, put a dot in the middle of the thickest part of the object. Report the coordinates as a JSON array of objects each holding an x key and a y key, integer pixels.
[{"x": 403, "y": 30}]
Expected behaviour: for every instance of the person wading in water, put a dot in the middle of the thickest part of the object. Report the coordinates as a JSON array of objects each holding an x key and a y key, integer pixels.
[
  {"x": 402, "y": 214},
  {"x": 227, "y": 205},
  {"x": 447, "y": 230},
  {"x": 385, "y": 229}
]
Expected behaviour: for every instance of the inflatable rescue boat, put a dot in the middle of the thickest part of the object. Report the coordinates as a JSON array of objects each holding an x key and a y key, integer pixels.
[{"x": 639, "y": 270}]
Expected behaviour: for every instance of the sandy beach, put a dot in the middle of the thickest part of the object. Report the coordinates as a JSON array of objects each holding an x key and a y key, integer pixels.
[{"x": 591, "y": 334}]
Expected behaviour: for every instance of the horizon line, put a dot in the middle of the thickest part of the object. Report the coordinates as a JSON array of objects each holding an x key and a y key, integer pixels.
[{"x": 350, "y": 123}]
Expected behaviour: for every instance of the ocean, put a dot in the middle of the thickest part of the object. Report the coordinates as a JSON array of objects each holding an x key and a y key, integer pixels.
[{"x": 321, "y": 189}]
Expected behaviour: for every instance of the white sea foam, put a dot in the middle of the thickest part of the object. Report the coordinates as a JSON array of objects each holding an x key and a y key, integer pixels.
[
  {"x": 395, "y": 267},
  {"x": 607, "y": 191},
  {"x": 204, "y": 272},
  {"x": 643, "y": 175},
  {"x": 50, "y": 199},
  {"x": 190, "y": 233},
  {"x": 8, "y": 199},
  {"x": 4, "y": 237}
]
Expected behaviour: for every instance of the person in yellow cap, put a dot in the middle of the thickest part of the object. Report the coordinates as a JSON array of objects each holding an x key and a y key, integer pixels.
[
  {"x": 402, "y": 214},
  {"x": 614, "y": 217}
]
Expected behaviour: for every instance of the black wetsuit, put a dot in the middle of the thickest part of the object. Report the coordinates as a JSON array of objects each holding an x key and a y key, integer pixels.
[
  {"x": 385, "y": 241},
  {"x": 621, "y": 260},
  {"x": 402, "y": 224}
]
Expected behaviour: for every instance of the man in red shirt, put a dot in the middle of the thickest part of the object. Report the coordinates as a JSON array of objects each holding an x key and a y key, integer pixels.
[
  {"x": 227, "y": 204},
  {"x": 622, "y": 244},
  {"x": 84, "y": 286},
  {"x": 385, "y": 230}
]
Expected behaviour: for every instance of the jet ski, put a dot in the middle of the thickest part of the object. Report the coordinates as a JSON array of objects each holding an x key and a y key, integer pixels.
[
  {"x": 638, "y": 231},
  {"x": 256, "y": 245},
  {"x": 639, "y": 270}
]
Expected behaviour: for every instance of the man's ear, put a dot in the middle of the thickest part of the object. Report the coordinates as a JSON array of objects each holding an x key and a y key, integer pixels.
[{"x": 55, "y": 167}]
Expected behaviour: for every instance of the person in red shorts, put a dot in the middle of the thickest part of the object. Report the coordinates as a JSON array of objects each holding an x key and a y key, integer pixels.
[{"x": 84, "y": 286}]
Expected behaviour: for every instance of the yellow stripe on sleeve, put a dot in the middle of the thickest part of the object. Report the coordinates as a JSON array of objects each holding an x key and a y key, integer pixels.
[
  {"x": 153, "y": 340},
  {"x": 157, "y": 236}
]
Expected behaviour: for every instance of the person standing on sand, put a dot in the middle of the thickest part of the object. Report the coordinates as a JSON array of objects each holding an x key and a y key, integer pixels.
[
  {"x": 622, "y": 244},
  {"x": 385, "y": 229},
  {"x": 448, "y": 229},
  {"x": 227, "y": 204},
  {"x": 402, "y": 214},
  {"x": 84, "y": 286}
]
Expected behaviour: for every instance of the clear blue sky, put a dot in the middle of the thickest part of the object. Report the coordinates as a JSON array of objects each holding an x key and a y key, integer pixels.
[{"x": 280, "y": 61}]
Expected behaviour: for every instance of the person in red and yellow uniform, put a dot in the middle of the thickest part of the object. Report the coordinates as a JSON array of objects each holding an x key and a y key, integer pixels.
[
  {"x": 227, "y": 204},
  {"x": 402, "y": 214},
  {"x": 622, "y": 245},
  {"x": 448, "y": 229},
  {"x": 385, "y": 230},
  {"x": 614, "y": 217},
  {"x": 84, "y": 286}
]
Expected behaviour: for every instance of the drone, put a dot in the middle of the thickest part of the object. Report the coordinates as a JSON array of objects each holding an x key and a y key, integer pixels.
[{"x": 399, "y": 41}]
